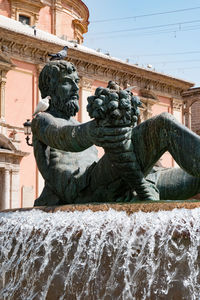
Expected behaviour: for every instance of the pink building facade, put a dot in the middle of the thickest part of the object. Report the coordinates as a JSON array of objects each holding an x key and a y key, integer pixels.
[{"x": 28, "y": 31}]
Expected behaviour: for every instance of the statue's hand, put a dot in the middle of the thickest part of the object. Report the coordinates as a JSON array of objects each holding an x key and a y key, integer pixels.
[{"x": 115, "y": 139}]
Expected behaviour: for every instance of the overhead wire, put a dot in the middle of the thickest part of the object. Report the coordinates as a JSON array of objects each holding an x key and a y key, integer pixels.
[
  {"x": 183, "y": 68},
  {"x": 165, "y": 53},
  {"x": 174, "y": 31},
  {"x": 147, "y": 27},
  {"x": 145, "y": 15},
  {"x": 175, "y": 61},
  {"x": 174, "y": 28}
]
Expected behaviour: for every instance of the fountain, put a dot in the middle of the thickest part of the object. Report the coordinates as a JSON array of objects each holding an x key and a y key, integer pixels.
[
  {"x": 100, "y": 255},
  {"x": 123, "y": 248}
]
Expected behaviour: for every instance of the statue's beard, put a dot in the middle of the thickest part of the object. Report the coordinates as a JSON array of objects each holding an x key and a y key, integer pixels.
[{"x": 68, "y": 107}]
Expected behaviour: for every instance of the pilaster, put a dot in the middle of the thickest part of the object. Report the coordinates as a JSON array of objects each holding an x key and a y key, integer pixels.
[
  {"x": 5, "y": 66},
  {"x": 14, "y": 195},
  {"x": 85, "y": 91},
  {"x": 2, "y": 96},
  {"x": 56, "y": 16},
  {"x": 177, "y": 106},
  {"x": 6, "y": 189},
  {"x": 146, "y": 110}
]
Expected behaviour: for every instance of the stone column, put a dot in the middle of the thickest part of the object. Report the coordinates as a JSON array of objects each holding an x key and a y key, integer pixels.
[
  {"x": 6, "y": 189},
  {"x": 5, "y": 66},
  {"x": 177, "y": 109},
  {"x": 2, "y": 96},
  {"x": 187, "y": 114},
  {"x": 146, "y": 111},
  {"x": 15, "y": 197},
  {"x": 85, "y": 91}
]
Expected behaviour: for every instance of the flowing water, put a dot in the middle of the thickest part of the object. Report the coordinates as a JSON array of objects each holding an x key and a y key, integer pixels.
[{"x": 100, "y": 255}]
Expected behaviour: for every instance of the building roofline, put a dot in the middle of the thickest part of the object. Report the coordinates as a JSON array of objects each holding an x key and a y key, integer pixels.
[{"x": 11, "y": 25}]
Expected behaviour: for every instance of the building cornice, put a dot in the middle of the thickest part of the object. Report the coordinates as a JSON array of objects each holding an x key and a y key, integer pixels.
[
  {"x": 34, "y": 49},
  {"x": 192, "y": 92},
  {"x": 5, "y": 62},
  {"x": 190, "y": 96},
  {"x": 79, "y": 7}
]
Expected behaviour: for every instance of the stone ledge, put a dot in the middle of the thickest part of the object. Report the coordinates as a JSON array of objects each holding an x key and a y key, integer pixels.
[{"x": 129, "y": 208}]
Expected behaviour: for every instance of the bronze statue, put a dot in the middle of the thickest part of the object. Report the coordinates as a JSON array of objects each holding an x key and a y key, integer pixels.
[{"x": 67, "y": 158}]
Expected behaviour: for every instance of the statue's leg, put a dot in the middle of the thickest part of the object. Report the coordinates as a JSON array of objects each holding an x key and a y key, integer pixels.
[
  {"x": 164, "y": 133},
  {"x": 150, "y": 140},
  {"x": 175, "y": 184}
]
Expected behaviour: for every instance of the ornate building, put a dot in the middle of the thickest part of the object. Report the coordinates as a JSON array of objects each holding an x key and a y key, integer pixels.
[
  {"x": 29, "y": 30},
  {"x": 191, "y": 109}
]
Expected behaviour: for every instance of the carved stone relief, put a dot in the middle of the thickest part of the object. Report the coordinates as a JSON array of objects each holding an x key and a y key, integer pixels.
[{"x": 177, "y": 104}]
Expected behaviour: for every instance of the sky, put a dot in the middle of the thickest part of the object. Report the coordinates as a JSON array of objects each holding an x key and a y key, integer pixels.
[{"x": 163, "y": 35}]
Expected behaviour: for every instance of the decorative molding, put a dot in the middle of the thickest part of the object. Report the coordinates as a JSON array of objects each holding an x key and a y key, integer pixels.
[
  {"x": 22, "y": 51},
  {"x": 146, "y": 110},
  {"x": 191, "y": 96},
  {"x": 147, "y": 93},
  {"x": 91, "y": 66},
  {"x": 10, "y": 160},
  {"x": 79, "y": 29},
  {"x": 106, "y": 73},
  {"x": 177, "y": 104},
  {"x": 79, "y": 11},
  {"x": 28, "y": 8},
  {"x": 86, "y": 83},
  {"x": 5, "y": 66}
]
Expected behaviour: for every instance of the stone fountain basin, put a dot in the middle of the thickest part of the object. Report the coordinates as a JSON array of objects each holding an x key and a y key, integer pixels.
[{"x": 129, "y": 208}]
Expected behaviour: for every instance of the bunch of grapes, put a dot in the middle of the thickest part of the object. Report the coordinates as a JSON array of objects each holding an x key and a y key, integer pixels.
[{"x": 111, "y": 107}]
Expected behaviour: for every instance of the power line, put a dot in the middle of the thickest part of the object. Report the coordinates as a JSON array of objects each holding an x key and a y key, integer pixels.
[
  {"x": 146, "y": 15},
  {"x": 147, "y": 33},
  {"x": 147, "y": 27},
  {"x": 183, "y": 68},
  {"x": 175, "y": 61},
  {"x": 164, "y": 53}
]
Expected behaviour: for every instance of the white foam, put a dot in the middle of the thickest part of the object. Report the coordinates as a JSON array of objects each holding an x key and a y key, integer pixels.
[{"x": 100, "y": 254}]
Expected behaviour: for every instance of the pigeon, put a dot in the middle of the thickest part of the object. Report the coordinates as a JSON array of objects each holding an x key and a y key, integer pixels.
[
  {"x": 34, "y": 29},
  {"x": 43, "y": 104},
  {"x": 129, "y": 88},
  {"x": 113, "y": 86},
  {"x": 60, "y": 55}
]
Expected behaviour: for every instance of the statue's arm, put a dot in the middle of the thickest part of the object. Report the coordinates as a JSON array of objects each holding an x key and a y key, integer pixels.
[{"x": 73, "y": 138}]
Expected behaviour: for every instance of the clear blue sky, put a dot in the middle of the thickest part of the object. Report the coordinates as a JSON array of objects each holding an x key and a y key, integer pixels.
[{"x": 170, "y": 42}]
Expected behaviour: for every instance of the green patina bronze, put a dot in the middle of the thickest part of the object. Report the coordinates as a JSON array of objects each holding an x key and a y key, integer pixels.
[{"x": 67, "y": 158}]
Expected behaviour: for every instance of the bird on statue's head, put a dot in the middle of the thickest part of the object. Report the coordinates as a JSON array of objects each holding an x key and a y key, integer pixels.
[{"x": 59, "y": 55}]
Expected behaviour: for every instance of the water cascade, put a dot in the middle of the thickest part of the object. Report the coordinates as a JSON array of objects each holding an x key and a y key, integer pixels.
[{"x": 100, "y": 255}]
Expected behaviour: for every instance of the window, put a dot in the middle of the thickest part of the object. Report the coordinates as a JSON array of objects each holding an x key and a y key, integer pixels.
[{"x": 24, "y": 19}]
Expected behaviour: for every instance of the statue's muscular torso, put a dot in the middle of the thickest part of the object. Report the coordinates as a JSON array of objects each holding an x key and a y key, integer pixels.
[{"x": 62, "y": 153}]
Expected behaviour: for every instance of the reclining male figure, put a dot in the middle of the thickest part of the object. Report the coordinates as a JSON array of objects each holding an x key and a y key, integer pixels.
[{"x": 67, "y": 158}]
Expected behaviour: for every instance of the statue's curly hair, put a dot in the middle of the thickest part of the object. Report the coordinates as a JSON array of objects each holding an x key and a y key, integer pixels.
[{"x": 50, "y": 76}]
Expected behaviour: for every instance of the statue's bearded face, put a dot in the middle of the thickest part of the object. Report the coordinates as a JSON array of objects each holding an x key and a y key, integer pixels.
[{"x": 66, "y": 94}]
